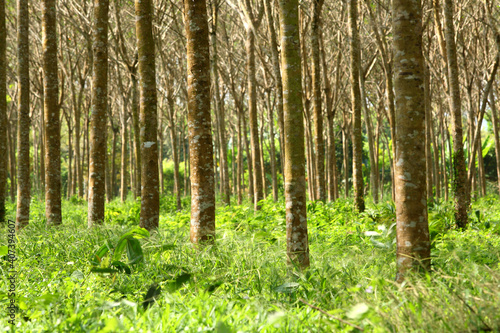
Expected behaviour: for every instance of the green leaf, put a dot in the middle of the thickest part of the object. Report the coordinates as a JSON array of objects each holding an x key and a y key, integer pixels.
[
  {"x": 488, "y": 143},
  {"x": 134, "y": 251},
  {"x": 183, "y": 278},
  {"x": 137, "y": 233},
  {"x": 151, "y": 295},
  {"x": 99, "y": 254},
  {"x": 120, "y": 248},
  {"x": 121, "y": 266}
]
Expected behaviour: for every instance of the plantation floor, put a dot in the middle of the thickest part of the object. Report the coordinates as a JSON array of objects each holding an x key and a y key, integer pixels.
[{"x": 243, "y": 284}]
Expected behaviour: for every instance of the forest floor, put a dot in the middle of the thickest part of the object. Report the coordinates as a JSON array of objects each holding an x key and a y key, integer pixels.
[{"x": 243, "y": 283}]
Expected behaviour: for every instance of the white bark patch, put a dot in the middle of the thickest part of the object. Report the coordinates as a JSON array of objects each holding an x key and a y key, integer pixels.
[{"x": 149, "y": 144}]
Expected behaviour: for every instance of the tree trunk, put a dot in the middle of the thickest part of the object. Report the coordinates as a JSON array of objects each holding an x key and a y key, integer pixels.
[
  {"x": 460, "y": 181},
  {"x": 137, "y": 138},
  {"x": 124, "y": 155},
  {"x": 252, "y": 111},
  {"x": 444, "y": 170},
  {"x": 78, "y": 159},
  {"x": 219, "y": 109},
  {"x": 496, "y": 129},
  {"x": 3, "y": 111},
  {"x": 373, "y": 186},
  {"x": 160, "y": 153},
  {"x": 70, "y": 161},
  {"x": 277, "y": 77},
  {"x": 295, "y": 186},
  {"x": 272, "y": 150},
  {"x": 413, "y": 242},
  {"x": 98, "y": 128},
  {"x": 175, "y": 151},
  {"x": 435, "y": 151},
  {"x": 319, "y": 143},
  {"x": 199, "y": 123},
  {"x": 428, "y": 137},
  {"x": 113, "y": 163},
  {"x": 345, "y": 152},
  {"x": 240, "y": 159},
  {"x": 481, "y": 171},
  {"x": 42, "y": 144},
  {"x": 23, "y": 124},
  {"x": 233, "y": 165},
  {"x": 357, "y": 143},
  {"x": 51, "y": 110},
  {"x": 36, "y": 171},
  {"x": 11, "y": 141},
  {"x": 132, "y": 166},
  {"x": 150, "y": 196},
  {"x": 249, "y": 160},
  {"x": 264, "y": 182}
]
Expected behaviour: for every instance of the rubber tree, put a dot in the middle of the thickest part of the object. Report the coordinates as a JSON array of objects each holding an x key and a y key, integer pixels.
[
  {"x": 51, "y": 114},
  {"x": 23, "y": 117},
  {"x": 295, "y": 183},
  {"x": 199, "y": 123},
  {"x": 357, "y": 143},
  {"x": 413, "y": 243},
  {"x": 98, "y": 143},
  {"x": 460, "y": 181},
  {"x": 3, "y": 110},
  {"x": 150, "y": 194}
]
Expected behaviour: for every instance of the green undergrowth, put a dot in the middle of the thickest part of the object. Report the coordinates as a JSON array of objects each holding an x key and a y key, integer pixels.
[{"x": 243, "y": 283}]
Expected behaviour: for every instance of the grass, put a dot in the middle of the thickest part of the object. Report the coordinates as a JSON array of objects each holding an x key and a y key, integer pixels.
[{"x": 243, "y": 284}]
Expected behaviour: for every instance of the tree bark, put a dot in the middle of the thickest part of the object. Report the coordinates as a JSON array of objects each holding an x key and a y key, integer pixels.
[
  {"x": 11, "y": 141},
  {"x": 373, "y": 186},
  {"x": 272, "y": 150},
  {"x": 413, "y": 242},
  {"x": 252, "y": 111},
  {"x": 295, "y": 185},
  {"x": 496, "y": 129},
  {"x": 199, "y": 123},
  {"x": 150, "y": 196},
  {"x": 3, "y": 111},
  {"x": 23, "y": 124},
  {"x": 52, "y": 111},
  {"x": 98, "y": 129},
  {"x": 251, "y": 174},
  {"x": 333, "y": 192},
  {"x": 113, "y": 165},
  {"x": 319, "y": 143},
  {"x": 124, "y": 155},
  {"x": 219, "y": 109},
  {"x": 460, "y": 180},
  {"x": 357, "y": 143},
  {"x": 240, "y": 159},
  {"x": 175, "y": 150},
  {"x": 428, "y": 137},
  {"x": 277, "y": 77},
  {"x": 345, "y": 152},
  {"x": 137, "y": 137}
]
